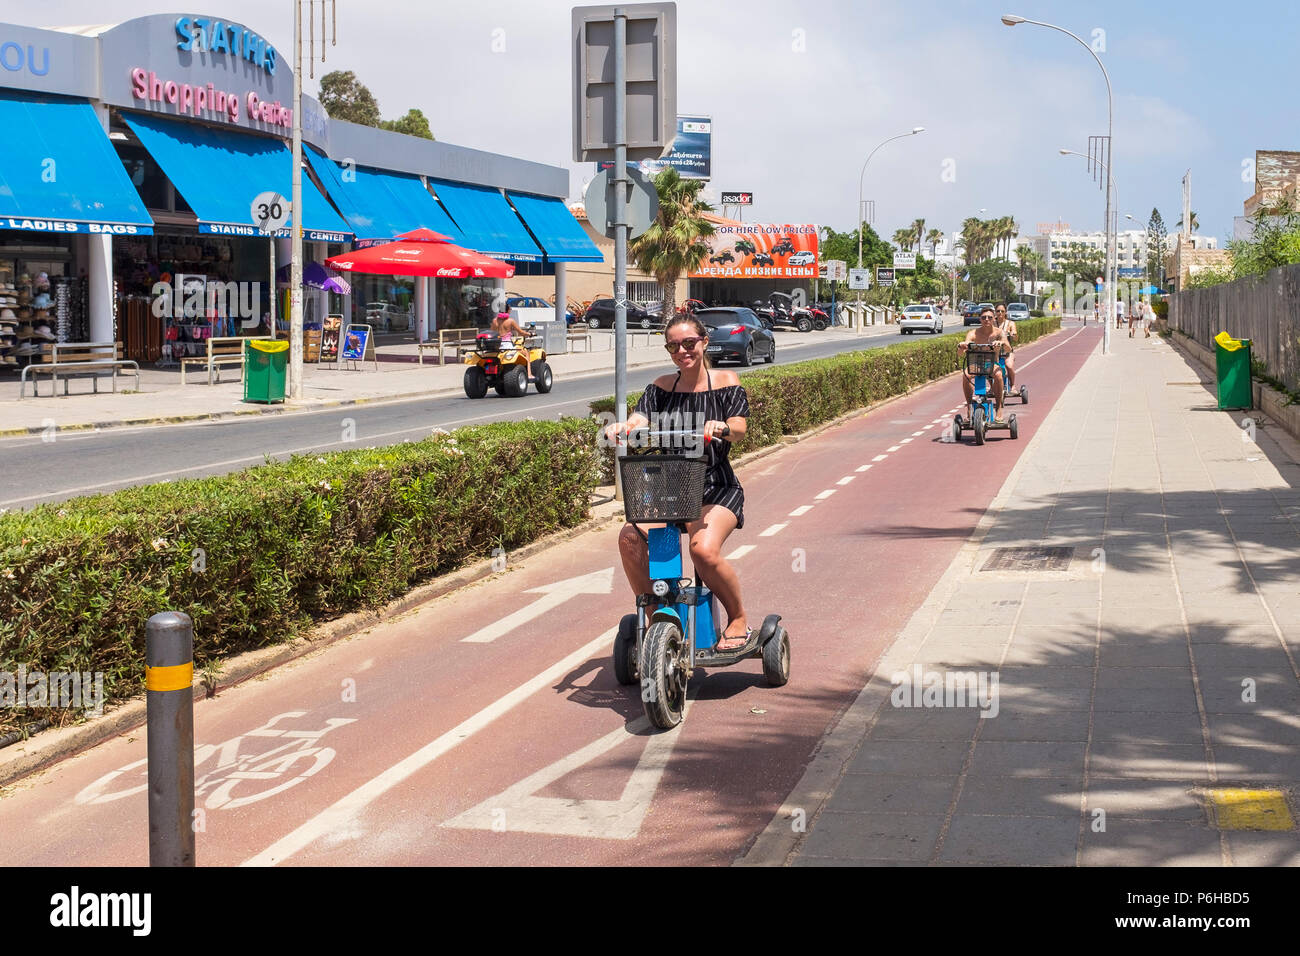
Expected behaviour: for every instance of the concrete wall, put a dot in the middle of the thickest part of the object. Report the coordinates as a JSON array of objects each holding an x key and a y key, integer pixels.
[{"x": 1266, "y": 311}]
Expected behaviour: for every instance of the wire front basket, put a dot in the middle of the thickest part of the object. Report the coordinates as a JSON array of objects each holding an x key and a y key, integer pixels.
[
  {"x": 662, "y": 488},
  {"x": 981, "y": 359}
]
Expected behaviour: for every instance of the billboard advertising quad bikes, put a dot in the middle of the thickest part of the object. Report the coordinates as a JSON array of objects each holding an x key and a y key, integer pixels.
[{"x": 760, "y": 250}]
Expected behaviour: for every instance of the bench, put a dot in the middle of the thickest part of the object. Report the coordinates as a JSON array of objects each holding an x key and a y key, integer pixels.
[
  {"x": 457, "y": 338},
  {"x": 221, "y": 350},
  {"x": 582, "y": 336},
  {"x": 68, "y": 360}
]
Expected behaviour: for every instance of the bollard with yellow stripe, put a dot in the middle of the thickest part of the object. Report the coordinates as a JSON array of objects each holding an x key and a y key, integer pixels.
[{"x": 168, "y": 675}]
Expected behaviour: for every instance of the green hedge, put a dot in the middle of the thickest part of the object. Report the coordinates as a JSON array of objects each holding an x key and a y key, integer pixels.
[
  {"x": 279, "y": 546},
  {"x": 790, "y": 399}
]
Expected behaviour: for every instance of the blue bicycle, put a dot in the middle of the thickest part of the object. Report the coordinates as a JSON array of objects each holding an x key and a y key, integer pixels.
[
  {"x": 981, "y": 360},
  {"x": 676, "y": 628}
]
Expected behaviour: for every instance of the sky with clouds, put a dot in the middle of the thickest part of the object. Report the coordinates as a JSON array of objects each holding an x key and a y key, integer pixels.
[{"x": 801, "y": 91}]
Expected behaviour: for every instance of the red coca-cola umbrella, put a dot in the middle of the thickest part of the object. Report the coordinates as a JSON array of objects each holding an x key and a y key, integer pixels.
[{"x": 422, "y": 252}]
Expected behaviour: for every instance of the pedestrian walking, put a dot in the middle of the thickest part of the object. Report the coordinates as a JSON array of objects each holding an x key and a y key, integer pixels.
[
  {"x": 1148, "y": 318},
  {"x": 1134, "y": 313}
]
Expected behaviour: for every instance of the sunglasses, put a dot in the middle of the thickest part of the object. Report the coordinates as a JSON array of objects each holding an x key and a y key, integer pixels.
[{"x": 686, "y": 343}]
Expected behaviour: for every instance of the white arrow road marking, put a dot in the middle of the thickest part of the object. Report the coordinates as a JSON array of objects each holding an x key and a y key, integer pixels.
[
  {"x": 569, "y": 816},
  {"x": 597, "y": 582},
  {"x": 339, "y": 817}
]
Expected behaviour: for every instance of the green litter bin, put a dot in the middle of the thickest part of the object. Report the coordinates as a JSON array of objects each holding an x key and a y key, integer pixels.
[
  {"x": 1232, "y": 366},
  {"x": 265, "y": 361}
]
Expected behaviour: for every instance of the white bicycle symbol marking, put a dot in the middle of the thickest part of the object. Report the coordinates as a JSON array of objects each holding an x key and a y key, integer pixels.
[{"x": 232, "y": 768}]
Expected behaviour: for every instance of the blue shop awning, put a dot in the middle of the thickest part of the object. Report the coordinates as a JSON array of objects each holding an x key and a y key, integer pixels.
[
  {"x": 556, "y": 231},
  {"x": 381, "y": 205},
  {"x": 489, "y": 224},
  {"x": 59, "y": 171},
  {"x": 220, "y": 173}
]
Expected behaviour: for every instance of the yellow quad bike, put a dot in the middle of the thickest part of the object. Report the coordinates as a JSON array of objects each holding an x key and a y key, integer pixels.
[{"x": 506, "y": 366}]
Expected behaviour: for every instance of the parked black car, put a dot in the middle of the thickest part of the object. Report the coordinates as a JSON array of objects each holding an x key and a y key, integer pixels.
[
  {"x": 737, "y": 335},
  {"x": 600, "y": 315}
]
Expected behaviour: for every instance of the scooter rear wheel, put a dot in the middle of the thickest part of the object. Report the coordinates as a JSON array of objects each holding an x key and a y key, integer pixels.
[
  {"x": 978, "y": 425},
  {"x": 625, "y": 662},
  {"x": 663, "y": 674}
]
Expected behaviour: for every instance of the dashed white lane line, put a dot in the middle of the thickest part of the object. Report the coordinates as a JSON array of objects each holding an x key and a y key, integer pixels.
[
  {"x": 938, "y": 421},
  {"x": 801, "y": 510},
  {"x": 917, "y": 434},
  {"x": 845, "y": 480},
  {"x": 928, "y": 427},
  {"x": 905, "y": 441},
  {"x": 893, "y": 448},
  {"x": 775, "y": 529},
  {"x": 862, "y": 468},
  {"x": 880, "y": 458},
  {"x": 740, "y": 552},
  {"x": 825, "y": 494}
]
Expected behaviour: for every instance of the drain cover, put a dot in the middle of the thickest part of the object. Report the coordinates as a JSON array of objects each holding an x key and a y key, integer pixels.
[{"x": 1029, "y": 559}]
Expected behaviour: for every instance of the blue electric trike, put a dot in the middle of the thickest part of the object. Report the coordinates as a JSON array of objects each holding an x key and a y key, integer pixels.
[
  {"x": 676, "y": 628},
  {"x": 981, "y": 360}
]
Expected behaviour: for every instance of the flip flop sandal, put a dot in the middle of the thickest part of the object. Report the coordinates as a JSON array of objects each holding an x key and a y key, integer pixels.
[{"x": 727, "y": 650}]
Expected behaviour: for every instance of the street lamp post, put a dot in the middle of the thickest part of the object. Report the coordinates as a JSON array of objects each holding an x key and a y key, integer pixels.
[
  {"x": 911, "y": 132},
  {"x": 1011, "y": 20},
  {"x": 1112, "y": 188}
]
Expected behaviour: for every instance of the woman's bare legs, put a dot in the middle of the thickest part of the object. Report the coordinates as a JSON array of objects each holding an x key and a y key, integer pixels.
[{"x": 707, "y": 537}]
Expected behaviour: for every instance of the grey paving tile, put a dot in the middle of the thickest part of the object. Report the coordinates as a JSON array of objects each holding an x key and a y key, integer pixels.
[
  {"x": 931, "y": 758},
  {"x": 1243, "y": 634},
  {"x": 1255, "y": 729},
  {"x": 1046, "y": 612},
  {"x": 819, "y": 861},
  {"x": 1084, "y": 593},
  {"x": 1180, "y": 699},
  {"x": 1222, "y": 694},
  {"x": 1168, "y": 801},
  {"x": 1051, "y": 675},
  {"x": 892, "y": 793},
  {"x": 1038, "y": 796},
  {"x": 979, "y": 615},
  {"x": 1231, "y": 616},
  {"x": 1065, "y": 725},
  {"x": 1154, "y": 729},
  {"x": 1023, "y": 700},
  {"x": 1265, "y": 847},
  {"x": 967, "y": 635},
  {"x": 1148, "y": 759},
  {"x": 1027, "y": 758},
  {"x": 925, "y": 723},
  {"x": 1131, "y": 842},
  {"x": 1012, "y": 840},
  {"x": 1238, "y": 661},
  {"x": 880, "y": 836},
  {"x": 1158, "y": 654},
  {"x": 1143, "y": 678},
  {"x": 1260, "y": 764},
  {"x": 1030, "y": 651}
]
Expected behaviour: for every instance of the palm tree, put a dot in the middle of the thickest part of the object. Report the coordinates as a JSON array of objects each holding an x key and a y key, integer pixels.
[
  {"x": 1195, "y": 223},
  {"x": 903, "y": 238},
  {"x": 918, "y": 230},
  {"x": 1023, "y": 252},
  {"x": 675, "y": 242},
  {"x": 934, "y": 237}
]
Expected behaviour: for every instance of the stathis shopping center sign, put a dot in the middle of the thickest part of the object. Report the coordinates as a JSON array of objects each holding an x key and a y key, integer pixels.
[{"x": 198, "y": 67}]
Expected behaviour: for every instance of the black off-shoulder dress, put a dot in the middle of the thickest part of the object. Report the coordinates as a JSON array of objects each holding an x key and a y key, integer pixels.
[{"x": 721, "y": 487}]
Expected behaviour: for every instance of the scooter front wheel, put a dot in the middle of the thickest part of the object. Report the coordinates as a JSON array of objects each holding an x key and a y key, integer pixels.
[
  {"x": 625, "y": 662},
  {"x": 663, "y": 674}
]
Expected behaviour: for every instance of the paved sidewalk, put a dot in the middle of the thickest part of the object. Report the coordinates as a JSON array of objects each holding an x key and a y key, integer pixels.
[
  {"x": 1146, "y": 709},
  {"x": 162, "y": 398}
]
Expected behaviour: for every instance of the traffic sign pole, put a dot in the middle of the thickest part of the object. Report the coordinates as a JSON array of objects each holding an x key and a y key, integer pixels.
[
  {"x": 619, "y": 180},
  {"x": 295, "y": 269}
]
